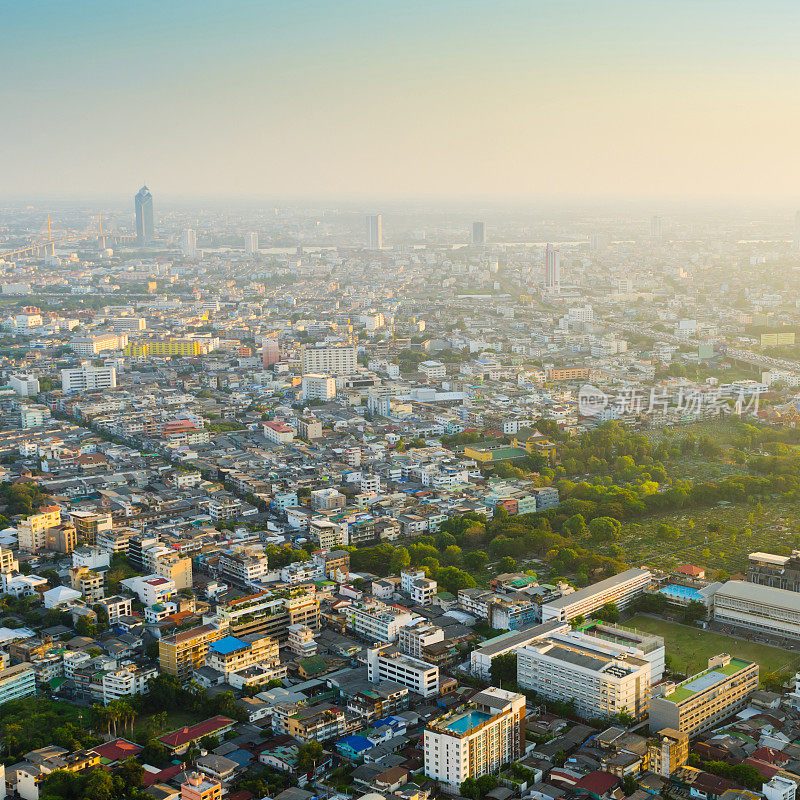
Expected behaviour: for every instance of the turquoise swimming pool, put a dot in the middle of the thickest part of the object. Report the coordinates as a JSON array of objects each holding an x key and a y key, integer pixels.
[
  {"x": 467, "y": 721},
  {"x": 684, "y": 593}
]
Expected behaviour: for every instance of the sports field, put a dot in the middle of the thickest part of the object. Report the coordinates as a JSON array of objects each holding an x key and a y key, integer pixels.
[{"x": 690, "y": 648}]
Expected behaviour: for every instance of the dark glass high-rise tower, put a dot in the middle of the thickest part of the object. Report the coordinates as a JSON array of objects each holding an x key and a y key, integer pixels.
[{"x": 144, "y": 215}]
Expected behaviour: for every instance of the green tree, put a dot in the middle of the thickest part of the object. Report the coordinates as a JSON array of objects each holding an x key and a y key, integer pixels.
[
  {"x": 309, "y": 756},
  {"x": 608, "y": 612},
  {"x": 504, "y": 669}
]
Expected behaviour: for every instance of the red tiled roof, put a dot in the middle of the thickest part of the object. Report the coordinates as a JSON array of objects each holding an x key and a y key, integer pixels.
[
  {"x": 118, "y": 750},
  {"x": 166, "y": 774},
  {"x": 189, "y": 734},
  {"x": 770, "y": 755},
  {"x": 597, "y": 782}
]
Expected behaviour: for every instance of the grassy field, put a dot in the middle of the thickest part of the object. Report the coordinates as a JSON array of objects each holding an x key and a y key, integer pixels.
[{"x": 690, "y": 648}]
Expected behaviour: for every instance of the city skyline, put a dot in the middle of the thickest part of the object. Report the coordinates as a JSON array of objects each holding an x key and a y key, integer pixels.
[{"x": 520, "y": 100}]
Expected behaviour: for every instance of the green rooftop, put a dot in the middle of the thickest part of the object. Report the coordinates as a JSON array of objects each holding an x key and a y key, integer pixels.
[{"x": 706, "y": 679}]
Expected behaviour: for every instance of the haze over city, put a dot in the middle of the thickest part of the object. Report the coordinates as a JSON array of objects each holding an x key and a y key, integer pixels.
[
  {"x": 380, "y": 100},
  {"x": 400, "y": 401}
]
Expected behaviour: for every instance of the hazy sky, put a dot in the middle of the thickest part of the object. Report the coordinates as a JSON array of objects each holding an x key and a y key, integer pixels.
[{"x": 380, "y": 99}]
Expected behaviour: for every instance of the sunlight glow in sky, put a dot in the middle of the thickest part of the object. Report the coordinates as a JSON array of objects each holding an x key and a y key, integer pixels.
[{"x": 378, "y": 99}]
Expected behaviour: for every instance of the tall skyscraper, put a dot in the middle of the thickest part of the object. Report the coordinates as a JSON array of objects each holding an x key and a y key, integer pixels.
[
  {"x": 270, "y": 352},
  {"x": 189, "y": 243},
  {"x": 374, "y": 232},
  {"x": 143, "y": 203},
  {"x": 656, "y": 227},
  {"x": 478, "y": 233},
  {"x": 251, "y": 243},
  {"x": 552, "y": 269}
]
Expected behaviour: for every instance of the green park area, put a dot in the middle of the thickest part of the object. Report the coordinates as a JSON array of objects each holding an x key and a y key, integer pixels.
[{"x": 688, "y": 648}]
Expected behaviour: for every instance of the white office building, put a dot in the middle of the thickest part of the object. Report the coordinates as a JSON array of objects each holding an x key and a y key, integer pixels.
[
  {"x": 601, "y": 683},
  {"x": 251, "y": 243},
  {"x": 374, "y": 232},
  {"x": 339, "y": 360},
  {"x": 377, "y": 622},
  {"x": 318, "y": 386},
  {"x": 618, "y": 589},
  {"x": 386, "y": 663},
  {"x": 87, "y": 378}
]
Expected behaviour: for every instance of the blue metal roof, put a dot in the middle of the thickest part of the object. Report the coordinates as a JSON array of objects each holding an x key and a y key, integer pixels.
[{"x": 228, "y": 644}]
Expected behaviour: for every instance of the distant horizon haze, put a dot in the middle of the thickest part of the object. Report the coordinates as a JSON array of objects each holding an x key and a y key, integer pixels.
[{"x": 503, "y": 102}]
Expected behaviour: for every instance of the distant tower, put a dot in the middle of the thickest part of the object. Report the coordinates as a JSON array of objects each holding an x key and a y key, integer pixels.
[
  {"x": 270, "y": 352},
  {"x": 189, "y": 243},
  {"x": 374, "y": 232},
  {"x": 251, "y": 243},
  {"x": 796, "y": 237},
  {"x": 143, "y": 203},
  {"x": 656, "y": 227},
  {"x": 552, "y": 269},
  {"x": 478, "y": 233}
]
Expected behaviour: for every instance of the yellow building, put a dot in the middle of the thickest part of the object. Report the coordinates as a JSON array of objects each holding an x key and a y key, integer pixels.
[
  {"x": 706, "y": 699},
  {"x": 186, "y": 651},
  {"x": 667, "y": 750},
  {"x": 536, "y": 443},
  {"x": 231, "y": 653},
  {"x": 166, "y": 347}
]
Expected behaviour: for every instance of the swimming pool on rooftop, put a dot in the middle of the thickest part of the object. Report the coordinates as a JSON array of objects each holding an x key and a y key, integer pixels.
[{"x": 467, "y": 721}]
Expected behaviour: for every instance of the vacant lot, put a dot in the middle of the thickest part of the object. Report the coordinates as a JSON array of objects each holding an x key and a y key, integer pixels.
[{"x": 690, "y": 648}]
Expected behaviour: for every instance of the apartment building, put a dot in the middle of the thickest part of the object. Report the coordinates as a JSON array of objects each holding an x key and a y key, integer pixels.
[
  {"x": 600, "y": 683},
  {"x": 201, "y": 787},
  {"x": 327, "y": 499},
  {"x": 377, "y": 622},
  {"x": 413, "y": 639},
  {"x": 129, "y": 679},
  {"x": 301, "y": 641},
  {"x": 333, "y": 564},
  {"x": 318, "y": 386},
  {"x": 619, "y": 589},
  {"x": 88, "y": 582},
  {"x": 186, "y": 651},
  {"x": 386, "y": 663},
  {"x": 117, "y": 607},
  {"x": 242, "y": 569},
  {"x": 92, "y": 345},
  {"x": 667, "y": 750},
  {"x": 32, "y": 530},
  {"x": 88, "y": 378},
  {"x": 278, "y": 432},
  {"x": 333, "y": 360},
  {"x": 319, "y": 722},
  {"x": 231, "y": 653},
  {"x": 705, "y": 699},
  {"x": 89, "y": 525},
  {"x": 176, "y": 569},
  {"x": 328, "y": 535},
  {"x": 17, "y": 681},
  {"x": 477, "y": 739},
  {"x": 309, "y": 428}
]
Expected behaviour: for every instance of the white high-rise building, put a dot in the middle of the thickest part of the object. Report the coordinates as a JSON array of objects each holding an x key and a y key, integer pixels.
[
  {"x": 477, "y": 740},
  {"x": 374, "y": 232},
  {"x": 251, "y": 243},
  {"x": 332, "y": 360},
  {"x": 601, "y": 682},
  {"x": 189, "y": 243},
  {"x": 318, "y": 386},
  {"x": 87, "y": 378},
  {"x": 552, "y": 269},
  {"x": 656, "y": 227}
]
